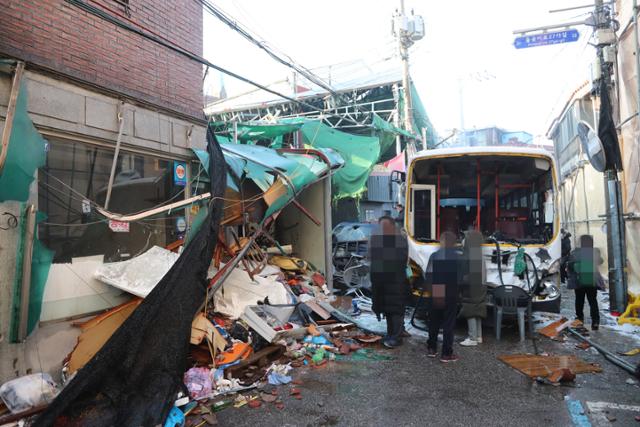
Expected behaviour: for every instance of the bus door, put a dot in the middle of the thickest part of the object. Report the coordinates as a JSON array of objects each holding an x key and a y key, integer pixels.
[{"x": 422, "y": 212}]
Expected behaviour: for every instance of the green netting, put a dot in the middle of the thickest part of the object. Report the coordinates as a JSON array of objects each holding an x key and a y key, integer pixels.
[
  {"x": 360, "y": 153},
  {"x": 387, "y": 134},
  {"x": 420, "y": 118},
  {"x": 40, "y": 263},
  {"x": 25, "y": 154}
]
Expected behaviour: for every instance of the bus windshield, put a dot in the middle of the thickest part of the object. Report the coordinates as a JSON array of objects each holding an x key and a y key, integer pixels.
[{"x": 507, "y": 197}]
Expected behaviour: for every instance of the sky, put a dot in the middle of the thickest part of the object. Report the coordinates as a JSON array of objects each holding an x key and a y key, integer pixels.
[{"x": 467, "y": 50}]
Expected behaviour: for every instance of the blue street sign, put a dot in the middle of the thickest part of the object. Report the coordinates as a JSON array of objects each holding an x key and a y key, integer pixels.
[{"x": 545, "y": 39}]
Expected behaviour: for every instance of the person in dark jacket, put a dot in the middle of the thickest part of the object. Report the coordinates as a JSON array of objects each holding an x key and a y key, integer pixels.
[
  {"x": 474, "y": 290},
  {"x": 443, "y": 277},
  {"x": 388, "y": 253},
  {"x": 585, "y": 278},
  {"x": 565, "y": 252}
]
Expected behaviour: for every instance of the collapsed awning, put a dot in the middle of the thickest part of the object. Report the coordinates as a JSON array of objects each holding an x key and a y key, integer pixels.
[{"x": 280, "y": 174}]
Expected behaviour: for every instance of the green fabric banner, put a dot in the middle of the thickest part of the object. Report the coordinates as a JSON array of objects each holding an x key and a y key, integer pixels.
[
  {"x": 360, "y": 154},
  {"x": 25, "y": 154}
]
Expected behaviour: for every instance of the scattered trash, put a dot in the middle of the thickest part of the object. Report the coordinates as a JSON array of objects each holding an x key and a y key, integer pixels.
[
  {"x": 554, "y": 329},
  {"x": 583, "y": 345},
  {"x": 278, "y": 375},
  {"x": 633, "y": 352},
  {"x": 28, "y": 392},
  {"x": 562, "y": 375},
  {"x": 175, "y": 418},
  {"x": 199, "y": 382}
]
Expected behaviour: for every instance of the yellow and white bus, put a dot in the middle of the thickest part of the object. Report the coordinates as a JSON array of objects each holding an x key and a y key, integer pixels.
[{"x": 510, "y": 194}]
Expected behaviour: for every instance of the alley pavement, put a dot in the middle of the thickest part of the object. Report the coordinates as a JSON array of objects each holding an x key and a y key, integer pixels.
[{"x": 478, "y": 390}]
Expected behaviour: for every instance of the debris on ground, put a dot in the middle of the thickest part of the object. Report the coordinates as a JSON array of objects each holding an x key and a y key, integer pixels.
[
  {"x": 265, "y": 315},
  {"x": 28, "y": 392},
  {"x": 554, "y": 329},
  {"x": 633, "y": 352},
  {"x": 535, "y": 366}
]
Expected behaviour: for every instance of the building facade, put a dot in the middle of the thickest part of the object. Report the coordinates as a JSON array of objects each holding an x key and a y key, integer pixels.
[
  {"x": 96, "y": 73},
  {"x": 582, "y": 188}
]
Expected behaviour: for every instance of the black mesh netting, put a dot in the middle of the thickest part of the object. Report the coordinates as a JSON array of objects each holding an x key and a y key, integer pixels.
[{"x": 134, "y": 378}]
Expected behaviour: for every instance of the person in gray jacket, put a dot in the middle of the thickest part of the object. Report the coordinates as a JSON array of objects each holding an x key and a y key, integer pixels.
[{"x": 474, "y": 290}]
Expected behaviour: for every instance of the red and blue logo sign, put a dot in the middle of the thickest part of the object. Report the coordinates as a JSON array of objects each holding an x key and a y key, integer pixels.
[{"x": 180, "y": 173}]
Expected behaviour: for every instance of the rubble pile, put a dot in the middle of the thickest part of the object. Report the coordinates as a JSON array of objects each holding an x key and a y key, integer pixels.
[{"x": 259, "y": 327}]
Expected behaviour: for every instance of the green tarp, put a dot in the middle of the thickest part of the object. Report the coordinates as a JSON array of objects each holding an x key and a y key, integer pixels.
[
  {"x": 25, "y": 154},
  {"x": 40, "y": 263},
  {"x": 263, "y": 165},
  {"x": 360, "y": 154}
]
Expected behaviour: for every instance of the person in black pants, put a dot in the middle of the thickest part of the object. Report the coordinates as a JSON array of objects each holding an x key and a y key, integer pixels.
[
  {"x": 585, "y": 278},
  {"x": 443, "y": 277},
  {"x": 388, "y": 253}
]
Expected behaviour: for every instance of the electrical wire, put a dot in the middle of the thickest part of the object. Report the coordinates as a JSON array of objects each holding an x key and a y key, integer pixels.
[{"x": 263, "y": 45}]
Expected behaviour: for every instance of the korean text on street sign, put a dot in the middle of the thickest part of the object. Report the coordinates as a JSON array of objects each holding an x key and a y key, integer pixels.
[{"x": 545, "y": 39}]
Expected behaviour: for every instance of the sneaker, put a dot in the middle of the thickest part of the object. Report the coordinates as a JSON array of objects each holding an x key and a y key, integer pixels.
[
  {"x": 391, "y": 343},
  {"x": 431, "y": 353},
  {"x": 479, "y": 340},
  {"x": 469, "y": 343},
  {"x": 451, "y": 358},
  {"x": 595, "y": 326}
]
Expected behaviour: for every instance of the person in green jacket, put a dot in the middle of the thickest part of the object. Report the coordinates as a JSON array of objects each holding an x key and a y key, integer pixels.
[{"x": 585, "y": 278}]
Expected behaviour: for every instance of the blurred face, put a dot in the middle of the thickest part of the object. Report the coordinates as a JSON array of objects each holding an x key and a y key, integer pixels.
[
  {"x": 387, "y": 227},
  {"x": 447, "y": 239}
]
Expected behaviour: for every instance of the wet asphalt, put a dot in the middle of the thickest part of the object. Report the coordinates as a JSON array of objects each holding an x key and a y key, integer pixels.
[{"x": 478, "y": 390}]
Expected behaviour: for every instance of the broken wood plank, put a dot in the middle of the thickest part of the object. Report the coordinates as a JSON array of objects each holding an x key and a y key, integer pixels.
[{"x": 542, "y": 366}]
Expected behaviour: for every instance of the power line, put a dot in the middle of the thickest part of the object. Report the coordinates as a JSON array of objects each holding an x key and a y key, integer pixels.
[
  {"x": 289, "y": 62},
  {"x": 169, "y": 45}
]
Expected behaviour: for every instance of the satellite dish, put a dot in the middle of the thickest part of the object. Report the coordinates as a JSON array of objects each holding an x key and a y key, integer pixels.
[{"x": 592, "y": 146}]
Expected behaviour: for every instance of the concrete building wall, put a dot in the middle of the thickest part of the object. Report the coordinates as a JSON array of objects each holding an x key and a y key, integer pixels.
[
  {"x": 582, "y": 202},
  {"x": 61, "y": 37}
]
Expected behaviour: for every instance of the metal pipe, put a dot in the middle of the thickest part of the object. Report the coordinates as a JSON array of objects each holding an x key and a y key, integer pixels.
[
  {"x": 637, "y": 54},
  {"x": 497, "y": 208},
  {"x": 607, "y": 354},
  {"x": 27, "y": 261},
  {"x": 328, "y": 232},
  {"x": 115, "y": 160},
  {"x": 11, "y": 109},
  {"x": 438, "y": 204},
  {"x": 478, "y": 194}
]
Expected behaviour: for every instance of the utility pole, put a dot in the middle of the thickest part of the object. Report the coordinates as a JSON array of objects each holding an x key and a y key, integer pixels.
[
  {"x": 602, "y": 22},
  {"x": 403, "y": 45},
  {"x": 407, "y": 30},
  {"x": 616, "y": 246}
]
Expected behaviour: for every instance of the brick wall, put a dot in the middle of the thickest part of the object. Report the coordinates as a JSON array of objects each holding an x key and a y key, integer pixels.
[{"x": 60, "y": 36}]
